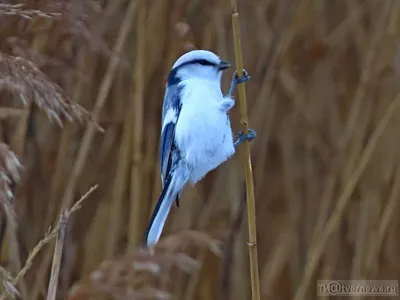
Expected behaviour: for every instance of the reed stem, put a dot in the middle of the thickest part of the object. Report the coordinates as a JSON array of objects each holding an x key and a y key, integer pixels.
[{"x": 251, "y": 211}]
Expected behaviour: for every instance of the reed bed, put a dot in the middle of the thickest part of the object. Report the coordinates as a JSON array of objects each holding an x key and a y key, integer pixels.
[{"x": 81, "y": 89}]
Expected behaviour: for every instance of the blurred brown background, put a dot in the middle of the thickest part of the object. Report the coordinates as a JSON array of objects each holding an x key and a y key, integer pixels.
[{"x": 323, "y": 99}]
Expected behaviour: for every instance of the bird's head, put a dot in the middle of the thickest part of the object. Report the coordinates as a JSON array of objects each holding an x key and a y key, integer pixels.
[{"x": 198, "y": 64}]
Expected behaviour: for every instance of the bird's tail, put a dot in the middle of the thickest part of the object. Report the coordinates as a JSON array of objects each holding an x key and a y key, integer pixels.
[{"x": 172, "y": 187}]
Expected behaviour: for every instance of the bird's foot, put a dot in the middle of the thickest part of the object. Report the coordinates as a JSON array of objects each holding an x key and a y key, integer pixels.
[
  {"x": 245, "y": 136},
  {"x": 245, "y": 77},
  {"x": 238, "y": 80}
]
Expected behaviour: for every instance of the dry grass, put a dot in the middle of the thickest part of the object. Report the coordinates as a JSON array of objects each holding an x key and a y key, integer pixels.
[
  {"x": 135, "y": 275},
  {"x": 24, "y": 80},
  {"x": 323, "y": 99},
  {"x": 59, "y": 232}
]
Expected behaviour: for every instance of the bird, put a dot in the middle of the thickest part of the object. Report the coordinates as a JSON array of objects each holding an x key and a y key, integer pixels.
[{"x": 196, "y": 134}]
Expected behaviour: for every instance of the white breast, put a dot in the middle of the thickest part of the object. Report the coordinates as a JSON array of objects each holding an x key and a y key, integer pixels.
[{"x": 203, "y": 132}]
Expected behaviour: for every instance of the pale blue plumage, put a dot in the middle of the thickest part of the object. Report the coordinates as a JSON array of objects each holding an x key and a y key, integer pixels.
[{"x": 196, "y": 135}]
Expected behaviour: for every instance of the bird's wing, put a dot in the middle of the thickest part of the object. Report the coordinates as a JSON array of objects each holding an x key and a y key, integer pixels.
[
  {"x": 172, "y": 184},
  {"x": 171, "y": 108}
]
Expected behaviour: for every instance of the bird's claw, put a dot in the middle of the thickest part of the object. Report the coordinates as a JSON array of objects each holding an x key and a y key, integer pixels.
[
  {"x": 245, "y": 136},
  {"x": 245, "y": 77},
  {"x": 248, "y": 136},
  {"x": 237, "y": 80}
]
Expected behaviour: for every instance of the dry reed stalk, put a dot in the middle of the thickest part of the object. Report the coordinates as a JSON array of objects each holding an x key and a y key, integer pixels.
[
  {"x": 55, "y": 270},
  {"x": 357, "y": 31},
  {"x": 151, "y": 167},
  {"x": 121, "y": 179},
  {"x": 119, "y": 187},
  {"x": 50, "y": 234},
  {"x": 18, "y": 143},
  {"x": 26, "y": 81},
  {"x": 204, "y": 218},
  {"x": 357, "y": 144},
  {"x": 387, "y": 217},
  {"x": 135, "y": 234},
  {"x": 366, "y": 76},
  {"x": 10, "y": 113},
  {"x": 364, "y": 225},
  {"x": 317, "y": 247},
  {"x": 155, "y": 59},
  {"x": 6, "y": 281},
  {"x": 66, "y": 135},
  {"x": 166, "y": 64},
  {"x": 56, "y": 186},
  {"x": 58, "y": 250},
  {"x": 294, "y": 201},
  {"x": 62, "y": 151},
  {"x": 279, "y": 43},
  {"x": 276, "y": 262},
  {"x": 91, "y": 126},
  {"x": 251, "y": 210},
  {"x": 122, "y": 174},
  {"x": 47, "y": 238},
  {"x": 101, "y": 99},
  {"x": 351, "y": 20},
  {"x": 228, "y": 258}
]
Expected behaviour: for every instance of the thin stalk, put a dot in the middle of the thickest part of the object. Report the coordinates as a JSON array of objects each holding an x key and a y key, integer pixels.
[
  {"x": 119, "y": 187},
  {"x": 55, "y": 270},
  {"x": 251, "y": 210},
  {"x": 104, "y": 89},
  {"x": 91, "y": 127},
  {"x": 317, "y": 248},
  {"x": 137, "y": 106},
  {"x": 49, "y": 236}
]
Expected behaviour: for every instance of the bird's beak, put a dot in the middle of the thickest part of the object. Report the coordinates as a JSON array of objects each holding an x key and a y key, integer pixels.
[{"x": 223, "y": 65}]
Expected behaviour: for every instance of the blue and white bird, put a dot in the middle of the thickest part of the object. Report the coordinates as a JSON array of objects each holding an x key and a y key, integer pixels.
[{"x": 196, "y": 135}]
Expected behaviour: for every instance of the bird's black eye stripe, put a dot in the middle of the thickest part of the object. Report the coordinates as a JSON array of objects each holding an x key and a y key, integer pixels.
[{"x": 203, "y": 62}]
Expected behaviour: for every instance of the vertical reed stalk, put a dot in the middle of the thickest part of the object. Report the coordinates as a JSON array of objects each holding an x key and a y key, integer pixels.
[
  {"x": 251, "y": 211},
  {"x": 119, "y": 187},
  {"x": 135, "y": 217},
  {"x": 55, "y": 269},
  {"x": 100, "y": 101}
]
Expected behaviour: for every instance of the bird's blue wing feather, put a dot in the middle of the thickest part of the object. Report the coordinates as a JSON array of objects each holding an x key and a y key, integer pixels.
[
  {"x": 171, "y": 187},
  {"x": 170, "y": 115},
  {"x": 167, "y": 141}
]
